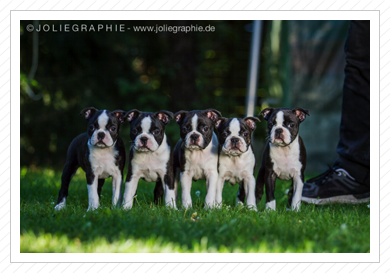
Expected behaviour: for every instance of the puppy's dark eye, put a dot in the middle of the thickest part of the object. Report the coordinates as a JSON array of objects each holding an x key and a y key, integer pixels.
[
  {"x": 205, "y": 128},
  {"x": 184, "y": 130},
  {"x": 156, "y": 132},
  {"x": 225, "y": 134},
  {"x": 270, "y": 123},
  {"x": 291, "y": 125},
  {"x": 112, "y": 129},
  {"x": 91, "y": 127},
  {"x": 134, "y": 131},
  {"x": 245, "y": 134}
]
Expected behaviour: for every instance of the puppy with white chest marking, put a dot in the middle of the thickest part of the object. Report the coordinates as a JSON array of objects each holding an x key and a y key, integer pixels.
[
  {"x": 100, "y": 152},
  {"x": 237, "y": 162},
  {"x": 150, "y": 156},
  {"x": 196, "y": 153},
  {"x": 284, "y": 155}
]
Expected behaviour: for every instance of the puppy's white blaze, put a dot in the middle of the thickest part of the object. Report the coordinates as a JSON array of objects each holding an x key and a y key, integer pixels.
[
  {"x": 145, "y": 125},
  {"x": 279, "y": 119},
  {"x": 234, "y": 127},
  {"x": 103, "y": 120},
  {"x": 194, "y": 123},
  {"x": 270, "y": 205}
]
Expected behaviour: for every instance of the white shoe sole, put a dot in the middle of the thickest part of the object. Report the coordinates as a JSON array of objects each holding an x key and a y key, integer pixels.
[{"x": 342, "y": 199}]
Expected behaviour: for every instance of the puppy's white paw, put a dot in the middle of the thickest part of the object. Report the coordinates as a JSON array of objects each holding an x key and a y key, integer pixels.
[{"x": 61, "y": 205}]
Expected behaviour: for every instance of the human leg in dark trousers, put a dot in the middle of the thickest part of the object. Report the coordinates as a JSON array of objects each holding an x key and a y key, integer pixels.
[{"x": 348, "y": 181}]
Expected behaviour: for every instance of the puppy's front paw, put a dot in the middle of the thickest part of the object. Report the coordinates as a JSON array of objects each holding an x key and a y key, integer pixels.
[
  {"x": 127, "y": 206},
  {"x": 91, "y": 208},
  {"x": 61, "y": 205},
  {"x": 253, "y": 208},
  {"x": 270, "y": 205},
  {"x": 171, "y": 205}
]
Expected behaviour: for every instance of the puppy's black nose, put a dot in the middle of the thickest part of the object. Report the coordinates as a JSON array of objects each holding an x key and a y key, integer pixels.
[
  {"x": 144, "y": 139},
  {"x": 100, "y": 135},
  {"x": 194, "y": 137},
  {"x": 234, "y": 140},
  {"x": 278, "y": 131}
]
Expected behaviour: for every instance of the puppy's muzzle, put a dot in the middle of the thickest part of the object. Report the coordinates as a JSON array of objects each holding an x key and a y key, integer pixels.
[
  {"x": 236, "y": 146},
  {"x": 144, "y": 141},
  {"x": 194, "y": 139},
  {"x": 279, "y": 133},
  {"x": 235, "y": 141},
  {"x": 100, "y": 136}
]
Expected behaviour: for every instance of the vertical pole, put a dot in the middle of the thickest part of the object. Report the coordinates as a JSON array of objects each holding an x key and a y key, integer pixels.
[
  {"x": 34, "y": 64},
  {"x": 254, "y": 65}
]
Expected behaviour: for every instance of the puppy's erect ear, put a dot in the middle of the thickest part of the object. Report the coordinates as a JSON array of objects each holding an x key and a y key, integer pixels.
[
  {"x": 88, "y": 112},
  {"x": 251, "y": 122},
  {"x": 119, "y": 115},
  {"x": 212, "y": 114},
  {"x": 179, "y": 116},
  {"x": 164, "y": 116},
  {"x": 301, "y": 113},
  {"x": 219, "y": 122},
  {"x": 266, "y": 113},
  {"x": 131, "y": 115}
]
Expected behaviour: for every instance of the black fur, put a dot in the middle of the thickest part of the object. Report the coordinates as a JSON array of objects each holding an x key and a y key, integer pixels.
[
  {"x": 159, "y": 120},
  {"x": 292, "y": 117},
  {"x": 206, "y": 118},
  {"x": 78, "y": 151},
  {"x": 266, "y": 176}
]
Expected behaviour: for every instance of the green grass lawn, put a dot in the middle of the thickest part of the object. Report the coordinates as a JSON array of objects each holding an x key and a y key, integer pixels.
[{"x": 150, "y": 228}]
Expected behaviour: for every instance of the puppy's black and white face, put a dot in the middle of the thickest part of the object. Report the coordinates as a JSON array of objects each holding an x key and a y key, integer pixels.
[
  {"x": 103, "y": 126},
  {"x": 235, "y": 134},
  {"x": 196, "y": 127},
  {"x": 283, "y": 124},
  {"x": 147, "y": 129}
]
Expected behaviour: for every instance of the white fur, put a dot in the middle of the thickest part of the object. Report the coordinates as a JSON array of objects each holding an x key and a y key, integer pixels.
[
  {"x": 287, "y": 166},
  {"x": 103, "y": 166},
  {"x": 200, "y": 164},
  {"x": 270, "y": 205},
  {"x": 286, "y": 159},
  {"x": 194, "y": 122},
  {"x": 93, "y": 197},
  {"x": 150, "y": 167},
  {"x": 61, "y": 204}
]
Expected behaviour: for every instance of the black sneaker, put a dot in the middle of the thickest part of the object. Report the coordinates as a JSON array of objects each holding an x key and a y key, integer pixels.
[{"x": 334, "y": 186}]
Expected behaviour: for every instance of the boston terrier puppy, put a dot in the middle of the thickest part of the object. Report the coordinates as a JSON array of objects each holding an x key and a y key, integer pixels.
[
  {"x": 236, "y": 158},
  {"x": 284, "y": 155},
  {"x": 100, "y": 153},
  {"x": 196, "y": 153},
  {"x": 150, "y": 156}
]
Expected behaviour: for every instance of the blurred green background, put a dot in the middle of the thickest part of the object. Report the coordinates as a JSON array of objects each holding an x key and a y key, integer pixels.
[{"x": 301, "y": 65}]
